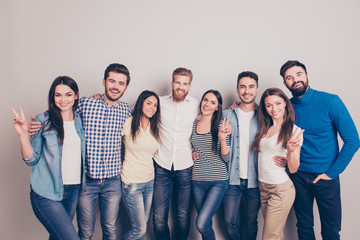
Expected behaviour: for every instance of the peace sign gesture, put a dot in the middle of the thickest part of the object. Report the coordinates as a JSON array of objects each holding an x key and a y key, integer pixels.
[
  {"x": 295, "y": 140},
  {"x": 20, "y": 123},
  {"x": 225, "y": 129}
]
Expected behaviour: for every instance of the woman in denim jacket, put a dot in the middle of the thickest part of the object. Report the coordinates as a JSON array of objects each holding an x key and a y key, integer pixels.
[{"x": 56, "y": 154}]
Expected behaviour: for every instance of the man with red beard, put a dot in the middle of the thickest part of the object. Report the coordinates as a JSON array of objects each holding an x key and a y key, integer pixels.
[{"x": 173, "y": 161}]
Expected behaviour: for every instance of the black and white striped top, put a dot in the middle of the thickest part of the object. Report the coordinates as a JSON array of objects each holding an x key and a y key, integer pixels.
[{"x": 210, "y": 166}]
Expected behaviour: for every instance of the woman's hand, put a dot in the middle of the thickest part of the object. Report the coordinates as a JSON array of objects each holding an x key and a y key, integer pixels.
[
  {"x": 295, "y": 140},
  {"x": 96, "y": 95},
  {"x": 225, "y": 129},
  {"x": 20, "y": 123},
  {"x": 234, "y": 105}
]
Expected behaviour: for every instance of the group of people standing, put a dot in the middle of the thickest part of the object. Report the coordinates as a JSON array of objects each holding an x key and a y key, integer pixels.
[{"x": 96, "y": 150}]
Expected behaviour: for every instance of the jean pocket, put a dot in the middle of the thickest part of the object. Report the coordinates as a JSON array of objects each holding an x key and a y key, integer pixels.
[{"x": 126, "y": 188}]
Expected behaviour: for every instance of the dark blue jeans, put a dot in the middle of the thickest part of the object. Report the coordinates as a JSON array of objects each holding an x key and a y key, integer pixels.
[
  {"x": 232, "y": 202},
  {"x": 57, "y": 216},
  {"x": 165, "y": 183},
  {"x": 327, "y": 196},
  {"x": 208, "y": 196}
]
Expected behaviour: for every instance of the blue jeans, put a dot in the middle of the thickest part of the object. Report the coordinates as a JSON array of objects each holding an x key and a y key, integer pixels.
[
  {"x": 108, "y": 191},
  {"x": 137, "y": 198},
  {"x": 208, "y": 196},
  {"x": 232, "y": 202},
  {"x": 327, "y": 195},
  {"x": 165, "y": 182},
  {"x": 57, "y": 216}
]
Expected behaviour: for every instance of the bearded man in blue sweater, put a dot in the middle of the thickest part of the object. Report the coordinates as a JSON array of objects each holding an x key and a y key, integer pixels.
[{"x": 322, "y": 115}]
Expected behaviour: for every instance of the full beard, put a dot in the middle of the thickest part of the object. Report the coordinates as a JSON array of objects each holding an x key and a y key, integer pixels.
[
  {"x": 178, "y": 98},
  {"x": 297, "y": 92}
]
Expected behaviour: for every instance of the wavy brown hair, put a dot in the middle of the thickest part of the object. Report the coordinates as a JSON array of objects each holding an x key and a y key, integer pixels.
[{"x": 266, "y": 121}]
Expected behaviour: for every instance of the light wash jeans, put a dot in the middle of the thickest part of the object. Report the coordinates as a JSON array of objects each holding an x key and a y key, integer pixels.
[
  {"x": 137, "y": 199},
  {"x": 208, "y": 196},
  {"x": 56, "y": 216},
  {"x": 108, "y": 191}
]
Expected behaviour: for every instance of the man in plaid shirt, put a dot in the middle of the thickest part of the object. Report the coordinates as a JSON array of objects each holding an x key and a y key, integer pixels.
[{"x": 103, "y": 120}]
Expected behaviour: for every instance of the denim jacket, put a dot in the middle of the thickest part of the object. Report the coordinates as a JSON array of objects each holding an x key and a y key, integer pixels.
[
  {"x": 234, "y": 171},
  {"x": 46, "y": 177}
]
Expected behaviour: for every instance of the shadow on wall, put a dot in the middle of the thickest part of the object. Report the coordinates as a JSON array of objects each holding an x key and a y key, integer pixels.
[{"x": 218, "y": 225}]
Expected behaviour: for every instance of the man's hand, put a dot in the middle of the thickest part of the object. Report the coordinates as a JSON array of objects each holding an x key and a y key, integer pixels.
[
  {"x": 33, "y": 126},
  {"x": 323, "y": 176},
  {"x": 280, "y": 161},
  {"x": 195, "y": 155}
]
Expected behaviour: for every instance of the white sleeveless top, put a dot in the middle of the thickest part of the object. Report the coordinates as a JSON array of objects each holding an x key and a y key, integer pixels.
[{"x": 268, "y": 171}]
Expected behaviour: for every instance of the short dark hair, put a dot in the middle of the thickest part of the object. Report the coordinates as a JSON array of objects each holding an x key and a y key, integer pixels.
[
  {"x": 182, "y": 72},
  {"x": 247, "y": 74},
  {"x": 290, "y": 64},
  {"x": 118, "y": 68}
]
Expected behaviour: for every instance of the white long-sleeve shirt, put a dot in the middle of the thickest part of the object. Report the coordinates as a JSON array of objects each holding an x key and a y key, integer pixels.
[{"x": 175, "y": 131}]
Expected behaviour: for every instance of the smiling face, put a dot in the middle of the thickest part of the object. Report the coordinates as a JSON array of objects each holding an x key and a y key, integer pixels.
[
  {"x": 180, "y": 87},
  {"x": 209, "y": 104},
  {"x": 64, "y": 97},
  {"x": 149, "y": 108},
  {"x": 115, "y": 86},
  {"x": 247, "y": 90},
  {"x": 275, "y": 106},
  {"x": 296, "y": 80}
]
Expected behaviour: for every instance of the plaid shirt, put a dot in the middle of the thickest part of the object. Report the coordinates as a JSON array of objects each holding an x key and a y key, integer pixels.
[{"x": 103, "y": 125}]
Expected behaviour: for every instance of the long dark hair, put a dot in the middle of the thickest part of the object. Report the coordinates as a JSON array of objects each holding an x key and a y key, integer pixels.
[
  {"x": 215, "y": 119},
  {"x": 55, "y": 120},
  {"x": 266, "y": 121},
  {"x": 137, "y": 114}
]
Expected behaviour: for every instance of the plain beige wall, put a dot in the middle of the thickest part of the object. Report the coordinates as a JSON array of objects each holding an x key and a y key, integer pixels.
[{"x": 216, "y": 39}]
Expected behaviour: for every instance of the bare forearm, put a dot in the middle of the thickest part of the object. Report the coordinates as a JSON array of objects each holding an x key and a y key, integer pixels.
[
  {"x": 224, "y": 147},
  {"x": 26, "y": 148},
  {"x": 293, "y": 160}
]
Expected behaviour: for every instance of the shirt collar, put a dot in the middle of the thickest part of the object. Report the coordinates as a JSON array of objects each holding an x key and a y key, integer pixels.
[
  {"x": 185, "y": 100},
  {"x": 102, "y": 99}
]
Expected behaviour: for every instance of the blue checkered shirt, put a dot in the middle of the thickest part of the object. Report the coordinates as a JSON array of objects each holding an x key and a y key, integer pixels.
[{"x": 103, "y": 125}]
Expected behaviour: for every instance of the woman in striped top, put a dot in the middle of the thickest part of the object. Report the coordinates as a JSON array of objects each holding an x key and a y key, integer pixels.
[{"x": 210, "y": 175}]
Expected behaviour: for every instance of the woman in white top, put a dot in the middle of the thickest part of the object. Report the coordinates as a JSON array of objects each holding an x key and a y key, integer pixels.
[
  {"x": 140, "y": 138},
  {"x": 56, "y": 154},
  {"x": 277, "y": 136}
]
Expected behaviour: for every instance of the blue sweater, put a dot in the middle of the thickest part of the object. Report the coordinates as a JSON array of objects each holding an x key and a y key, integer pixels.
[{"x": 323, "y": 115}]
